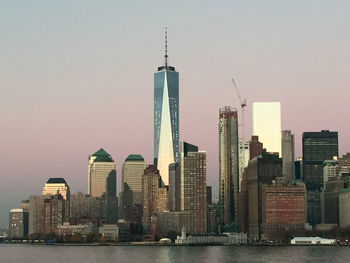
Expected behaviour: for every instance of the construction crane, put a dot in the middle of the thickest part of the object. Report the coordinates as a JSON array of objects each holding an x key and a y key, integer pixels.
[
  {"x": 241, "y": 146},
  {"x": 243, "y": 105}
]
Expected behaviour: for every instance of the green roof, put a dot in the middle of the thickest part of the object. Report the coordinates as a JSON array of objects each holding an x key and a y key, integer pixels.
[
  {"x": 56, "y": 181},
  {"x": 102, "y": 156},
  {"x": 344, "y": 190},
  {"x": 134, "y": 157}
]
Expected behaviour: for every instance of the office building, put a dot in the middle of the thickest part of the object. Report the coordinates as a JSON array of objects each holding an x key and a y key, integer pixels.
[
  {"x": 261, "y": 170},
  {"x": 132, "y": 172},
  {"x": 18, "y": 224},
  {"x": 317, "y": 147},
  {"x": 36, "y": 207},
  {"x": 102, "y": 174},
  {"x": 255, "y": 147},
  {"x": 283, "y": 209},
  {"x": 193, "y": 184},
  {"x": 53, "y": 213},
  {"x": 228, "y": 164},
  {"x": 267, "y": 124},
  {"x": 151, "y": 181},
  {"x": 298, "y": 164},
  {"x": 59, "y": 186},
  {"x": 244, "y": 156},
  {"x": 174, "y": 187},
  {"x": 288, "y": 156},
  {"x": 131, "y": 196},
  {"x": 102, "y": 182},
  {"x": 166, "y": 117}
]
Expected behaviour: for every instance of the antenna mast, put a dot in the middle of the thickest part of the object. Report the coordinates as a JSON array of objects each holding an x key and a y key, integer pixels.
[{"x": 166, "y": 47}]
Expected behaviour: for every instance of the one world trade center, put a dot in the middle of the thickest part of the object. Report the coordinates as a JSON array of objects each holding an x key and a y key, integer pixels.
[{"x": 166, "y": 117}]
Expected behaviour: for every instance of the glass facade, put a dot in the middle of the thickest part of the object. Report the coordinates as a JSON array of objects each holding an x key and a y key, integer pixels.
[
  {"x": 166, "y": 119},
  {"x": 317, "y": 147}
]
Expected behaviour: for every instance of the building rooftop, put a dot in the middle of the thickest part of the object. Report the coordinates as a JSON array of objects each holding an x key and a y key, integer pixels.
[
  {"x": 102, "y": 156},
  {"x": 16, "y": 210},
  {"x": 56, "y": 181},
  {"x": 134, "y": 157}
]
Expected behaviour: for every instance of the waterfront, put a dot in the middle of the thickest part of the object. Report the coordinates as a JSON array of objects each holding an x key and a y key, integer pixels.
[{"x": 11, "y": 253}]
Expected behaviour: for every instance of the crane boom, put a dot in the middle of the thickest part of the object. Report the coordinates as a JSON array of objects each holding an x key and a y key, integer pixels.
[{"x": 243, "y": 102}]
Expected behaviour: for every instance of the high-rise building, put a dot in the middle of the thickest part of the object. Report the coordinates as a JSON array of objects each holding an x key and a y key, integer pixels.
[
  {"x": 267, "y": 124},
  {"x": 228, "y": 164},
  {"x": 151, "y": 181},
  {"x": 283, "y": 209},
  {"x": 261, "y": 170},
  {"x": 102, "y": 174},
  {"x": 53, "y": 213},
  {"x": 255, "y": 147},
  {"x": 193, "y": 185},
  {"x": 132, "y": 172},
  {"x": 103, "y": 183},
  {"x": 58, "y": 186},
  {"x": 166, "y": 117},
  {"x": 288, "y": 156},
  {"x": 174, "y": 187},
  {"x": 36, "y": 207},
  {"x": 317, "y": 147},
  {"x": 18, "y": 223},
  {"x": 244, "y": 156}
]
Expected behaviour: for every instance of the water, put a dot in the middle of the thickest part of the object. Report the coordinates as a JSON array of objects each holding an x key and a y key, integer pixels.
[{"x": 144, "y": 254}]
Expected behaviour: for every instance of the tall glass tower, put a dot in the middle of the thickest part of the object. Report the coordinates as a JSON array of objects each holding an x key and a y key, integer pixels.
[{"x": 166, "y": 117}]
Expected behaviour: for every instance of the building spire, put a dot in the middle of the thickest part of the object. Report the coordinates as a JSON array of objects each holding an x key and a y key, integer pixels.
[{"x": 166, "y": 47}]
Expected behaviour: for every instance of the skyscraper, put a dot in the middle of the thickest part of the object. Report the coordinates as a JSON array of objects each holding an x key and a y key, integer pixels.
[
  {"x": 59, "y": 186},
  {"x": 267, "y": 124},
  {"x": 102, "y": 183},
  {"x": 228, "y": 164},
  {"x": 317, "y": 147},
  {"x": 166, "y": 117},
  {"x": 18, "y": 223},
  {"x": 193, "y": 185},
  {"x": 102, "y": 174},
  {"x": 288, "y": 165},
  {"x": 132, "y": 172}
]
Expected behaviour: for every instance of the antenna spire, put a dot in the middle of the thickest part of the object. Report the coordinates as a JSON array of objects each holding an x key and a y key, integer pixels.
[{"x": 166, "y": 46}]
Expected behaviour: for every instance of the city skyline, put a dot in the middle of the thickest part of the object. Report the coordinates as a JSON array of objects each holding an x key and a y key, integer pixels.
[{"x": 62, "y": 102}]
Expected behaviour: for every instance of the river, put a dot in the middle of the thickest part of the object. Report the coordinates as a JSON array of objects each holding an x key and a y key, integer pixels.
[{"x": 13, "y": 253}]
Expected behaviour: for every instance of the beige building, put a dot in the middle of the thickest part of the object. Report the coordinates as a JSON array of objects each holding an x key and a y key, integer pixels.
[
  {"x": 193, "y": 185},
  {"x": 155, "y": 197},
  {"x": 102, "y": 175},
  {"x": 228, "y": 164},
  {"x": 132, "y": 172},
  {"x": 57, "y": 186}
]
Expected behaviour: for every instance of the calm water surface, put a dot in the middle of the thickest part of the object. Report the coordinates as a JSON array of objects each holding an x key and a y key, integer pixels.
[{"x": 145, "y": 254}]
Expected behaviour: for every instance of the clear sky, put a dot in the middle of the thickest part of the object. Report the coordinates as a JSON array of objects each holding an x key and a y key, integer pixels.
[{"x": 78, "y": 75}]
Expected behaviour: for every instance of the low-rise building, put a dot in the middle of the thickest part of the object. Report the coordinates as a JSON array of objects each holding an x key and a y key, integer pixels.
[
  {"x": 223, "y": 239},
  {"x": 109, "y": 232},
  {"x": 312, "y": 241},
  {"x": 68, "y": 229}
]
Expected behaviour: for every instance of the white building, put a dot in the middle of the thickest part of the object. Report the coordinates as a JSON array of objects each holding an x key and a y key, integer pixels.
[
  {"x": 224, "y": 239},
  {"x": 312, "y": 241},
  {"x": 267, "y": 124}
]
